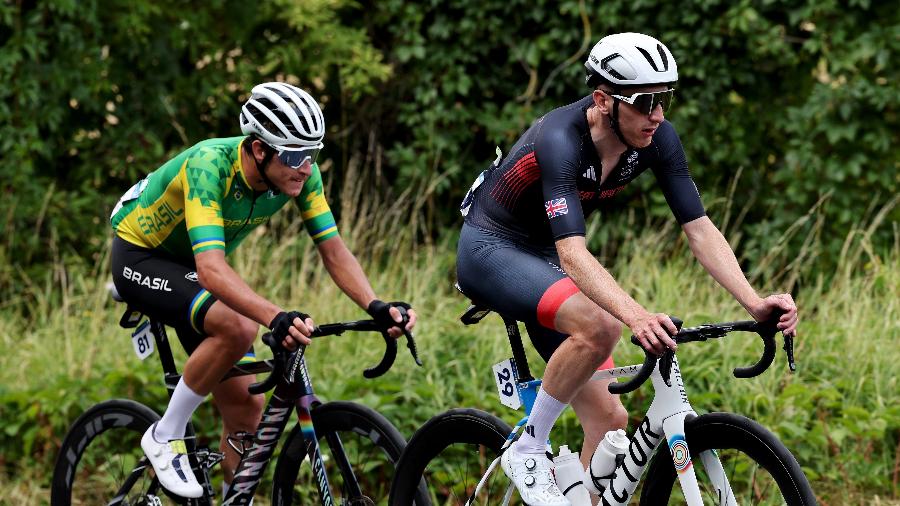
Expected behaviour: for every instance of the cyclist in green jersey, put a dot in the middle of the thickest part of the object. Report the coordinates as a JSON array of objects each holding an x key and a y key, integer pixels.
[{"x": 173, "y": 232}]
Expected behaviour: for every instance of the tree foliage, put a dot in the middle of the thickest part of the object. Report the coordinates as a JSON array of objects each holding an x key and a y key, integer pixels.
[
  {"x": 98, "y": 93},
  {"x": 799, "y": 97}
]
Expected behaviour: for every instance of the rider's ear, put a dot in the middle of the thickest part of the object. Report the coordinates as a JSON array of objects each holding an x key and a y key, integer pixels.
[
  {"x": 259, "y": 150},
  {"x": 602, "y": 100}
]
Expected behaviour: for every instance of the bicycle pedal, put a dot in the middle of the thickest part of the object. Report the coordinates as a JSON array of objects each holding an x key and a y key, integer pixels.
[
  {"x": 149, "y": 500},
  {"x": 208, "y": 458}
]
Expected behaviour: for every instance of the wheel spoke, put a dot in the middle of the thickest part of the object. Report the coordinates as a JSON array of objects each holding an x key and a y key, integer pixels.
[
  {"x": 370, "y": 446},
  {"x": 753, "y": 461}
]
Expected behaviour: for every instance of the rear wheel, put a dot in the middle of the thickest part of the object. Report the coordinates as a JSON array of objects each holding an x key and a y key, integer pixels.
[
  {"x": 101, "y": 461},
  {"x": 359, "y": 447},
  {"x": 452, "y": 452},
  {"x": 759, "y": 469}
]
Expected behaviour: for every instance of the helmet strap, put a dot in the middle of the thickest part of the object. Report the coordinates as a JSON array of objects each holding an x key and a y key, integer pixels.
[
  {"x": 261, "y": 168},
  {"x": 614, "y": 123}
]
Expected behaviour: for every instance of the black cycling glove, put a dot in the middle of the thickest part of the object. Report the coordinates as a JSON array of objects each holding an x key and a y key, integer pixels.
[
  {"x": 380, "y": 312},
  {"x": 283, "y": 322}
]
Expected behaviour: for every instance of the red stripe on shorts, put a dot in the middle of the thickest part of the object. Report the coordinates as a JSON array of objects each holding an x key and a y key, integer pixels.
[
  {"x": 609, "y": 364},
  {"x": 552, "y": 299}
]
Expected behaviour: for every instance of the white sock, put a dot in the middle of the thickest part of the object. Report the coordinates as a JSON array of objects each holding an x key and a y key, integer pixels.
[
  {"x": 182, "y": 405},
  {"x": 543, "y": 415}
]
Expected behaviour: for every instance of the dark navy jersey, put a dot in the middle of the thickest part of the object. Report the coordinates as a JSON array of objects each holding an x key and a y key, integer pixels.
[{"x": 548, "y": 183}]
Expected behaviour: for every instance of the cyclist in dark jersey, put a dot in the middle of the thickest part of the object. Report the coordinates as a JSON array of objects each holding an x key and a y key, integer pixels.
[
  {"x": 173, "y": 231},
  {"x": 522, "y": 247}
]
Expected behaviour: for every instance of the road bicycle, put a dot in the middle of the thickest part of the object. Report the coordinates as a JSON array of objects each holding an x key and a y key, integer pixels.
[
  {"x": 351, "y": 448},
  {"x": 717, "y": 458}
]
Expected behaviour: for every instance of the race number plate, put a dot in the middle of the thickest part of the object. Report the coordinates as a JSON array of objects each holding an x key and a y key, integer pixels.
[
  {"x": 470, "y": 195},
  {"x": 142, "y": 340},
  {"x": 505, "y": 377},
  {"x": 132, "y": 193}
]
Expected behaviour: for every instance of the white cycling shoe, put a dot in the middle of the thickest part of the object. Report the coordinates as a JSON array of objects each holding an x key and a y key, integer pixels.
[
  {"x": 170, "y": 461},
  {"x": 533, "y": 476}
]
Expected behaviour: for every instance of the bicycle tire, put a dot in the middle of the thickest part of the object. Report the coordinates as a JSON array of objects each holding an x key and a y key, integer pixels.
[
  {"x": 89, "y": 470},
  {"x": 371, "y": 443},
  {"x": 476, "y": 438},
  {"x": 744, "y": 447}
]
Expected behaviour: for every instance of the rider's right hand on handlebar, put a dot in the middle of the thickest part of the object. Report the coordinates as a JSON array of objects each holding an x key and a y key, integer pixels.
[
  {"x": 292, "y": 329},
  {"x": 781, "y": 307},
  {"x": 654, "y": 331}
]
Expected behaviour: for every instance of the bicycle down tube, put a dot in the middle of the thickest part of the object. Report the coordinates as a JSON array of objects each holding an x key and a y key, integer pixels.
[
  {"x": 665, "y": 417},
  {"x": 296, "y": 391}
]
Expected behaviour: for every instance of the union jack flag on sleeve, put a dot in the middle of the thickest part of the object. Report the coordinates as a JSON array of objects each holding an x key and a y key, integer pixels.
[{"x": 556, "y": 207}]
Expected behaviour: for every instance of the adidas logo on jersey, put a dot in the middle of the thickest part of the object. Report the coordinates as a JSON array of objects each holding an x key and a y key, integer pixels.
[{"x": 590, "y": 173}]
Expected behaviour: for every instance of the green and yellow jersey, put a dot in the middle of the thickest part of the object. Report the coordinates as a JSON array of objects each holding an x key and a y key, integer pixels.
[{"x": 201, "y": 200}]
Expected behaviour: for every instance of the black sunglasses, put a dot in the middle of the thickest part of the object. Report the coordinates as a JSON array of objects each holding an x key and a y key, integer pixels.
[
  {"x": 646, "y": 103},
  {"x": 295, "y": 158}
]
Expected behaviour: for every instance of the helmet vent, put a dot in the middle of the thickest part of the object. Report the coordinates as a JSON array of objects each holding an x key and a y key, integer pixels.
[
  {"x": 607, "y": 67},
  {"x": 662, "y": 54},
  {"x": 650, "y": 59}
]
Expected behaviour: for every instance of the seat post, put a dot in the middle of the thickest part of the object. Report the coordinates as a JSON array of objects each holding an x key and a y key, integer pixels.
[
  {"x": 515, "y": 341},
  {"x": 170, "y": 372}
]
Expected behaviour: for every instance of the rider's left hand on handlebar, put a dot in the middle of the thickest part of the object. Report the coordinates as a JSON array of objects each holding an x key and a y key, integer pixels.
[
  {"x": 784, "y": 303},
  {"x": 388, "y": 314}
]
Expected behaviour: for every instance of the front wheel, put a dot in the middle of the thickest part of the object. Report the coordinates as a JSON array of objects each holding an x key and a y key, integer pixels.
[
  {"x": 101, "y": 461},
  {"x": 452, "y": 452},
  {"x": 359, "y": 449},
  {"x": 759, "y": 469}
]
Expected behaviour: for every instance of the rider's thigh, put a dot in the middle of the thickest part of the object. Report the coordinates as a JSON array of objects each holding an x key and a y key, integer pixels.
[
  {"x": 241, "y": 410},
  {"x": 235, "y": 331},
  {"x": 580, "y": 316}
]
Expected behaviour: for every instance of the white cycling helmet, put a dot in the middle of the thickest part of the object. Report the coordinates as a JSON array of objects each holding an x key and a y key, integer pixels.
[
  {"x": 630, "y": 59},
  {"x": 283, "y": 115}
]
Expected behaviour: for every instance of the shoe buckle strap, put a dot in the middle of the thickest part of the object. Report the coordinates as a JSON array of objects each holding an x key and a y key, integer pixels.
[{"x": 178, "y": 446}]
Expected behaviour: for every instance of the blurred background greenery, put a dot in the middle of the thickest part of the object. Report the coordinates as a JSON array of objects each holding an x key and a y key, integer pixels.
[{"x": 787, "y": 110}]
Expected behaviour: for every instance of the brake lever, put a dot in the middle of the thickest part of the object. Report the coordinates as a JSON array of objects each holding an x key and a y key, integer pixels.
[
  {"x": 411, "y": 344},
  {"x": 665, "y": 366},
  {"x": 789, "y": 351},
  {"x": 410, "y": 340}
]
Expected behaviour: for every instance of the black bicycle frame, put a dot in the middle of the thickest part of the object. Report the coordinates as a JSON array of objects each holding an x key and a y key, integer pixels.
[{"x": 293, "y": 390}]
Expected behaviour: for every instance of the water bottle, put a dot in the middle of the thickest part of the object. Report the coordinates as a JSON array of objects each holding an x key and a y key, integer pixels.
[
  {"x": 569, "y": 473},
  {"x": 603, "y": 462}
]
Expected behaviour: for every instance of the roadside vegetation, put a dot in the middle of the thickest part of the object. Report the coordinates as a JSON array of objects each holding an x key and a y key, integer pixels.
[{"x": 839, "y": 413}]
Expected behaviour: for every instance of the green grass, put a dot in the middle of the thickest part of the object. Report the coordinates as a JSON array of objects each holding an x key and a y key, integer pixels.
[{"x": 839, "y": 413}]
